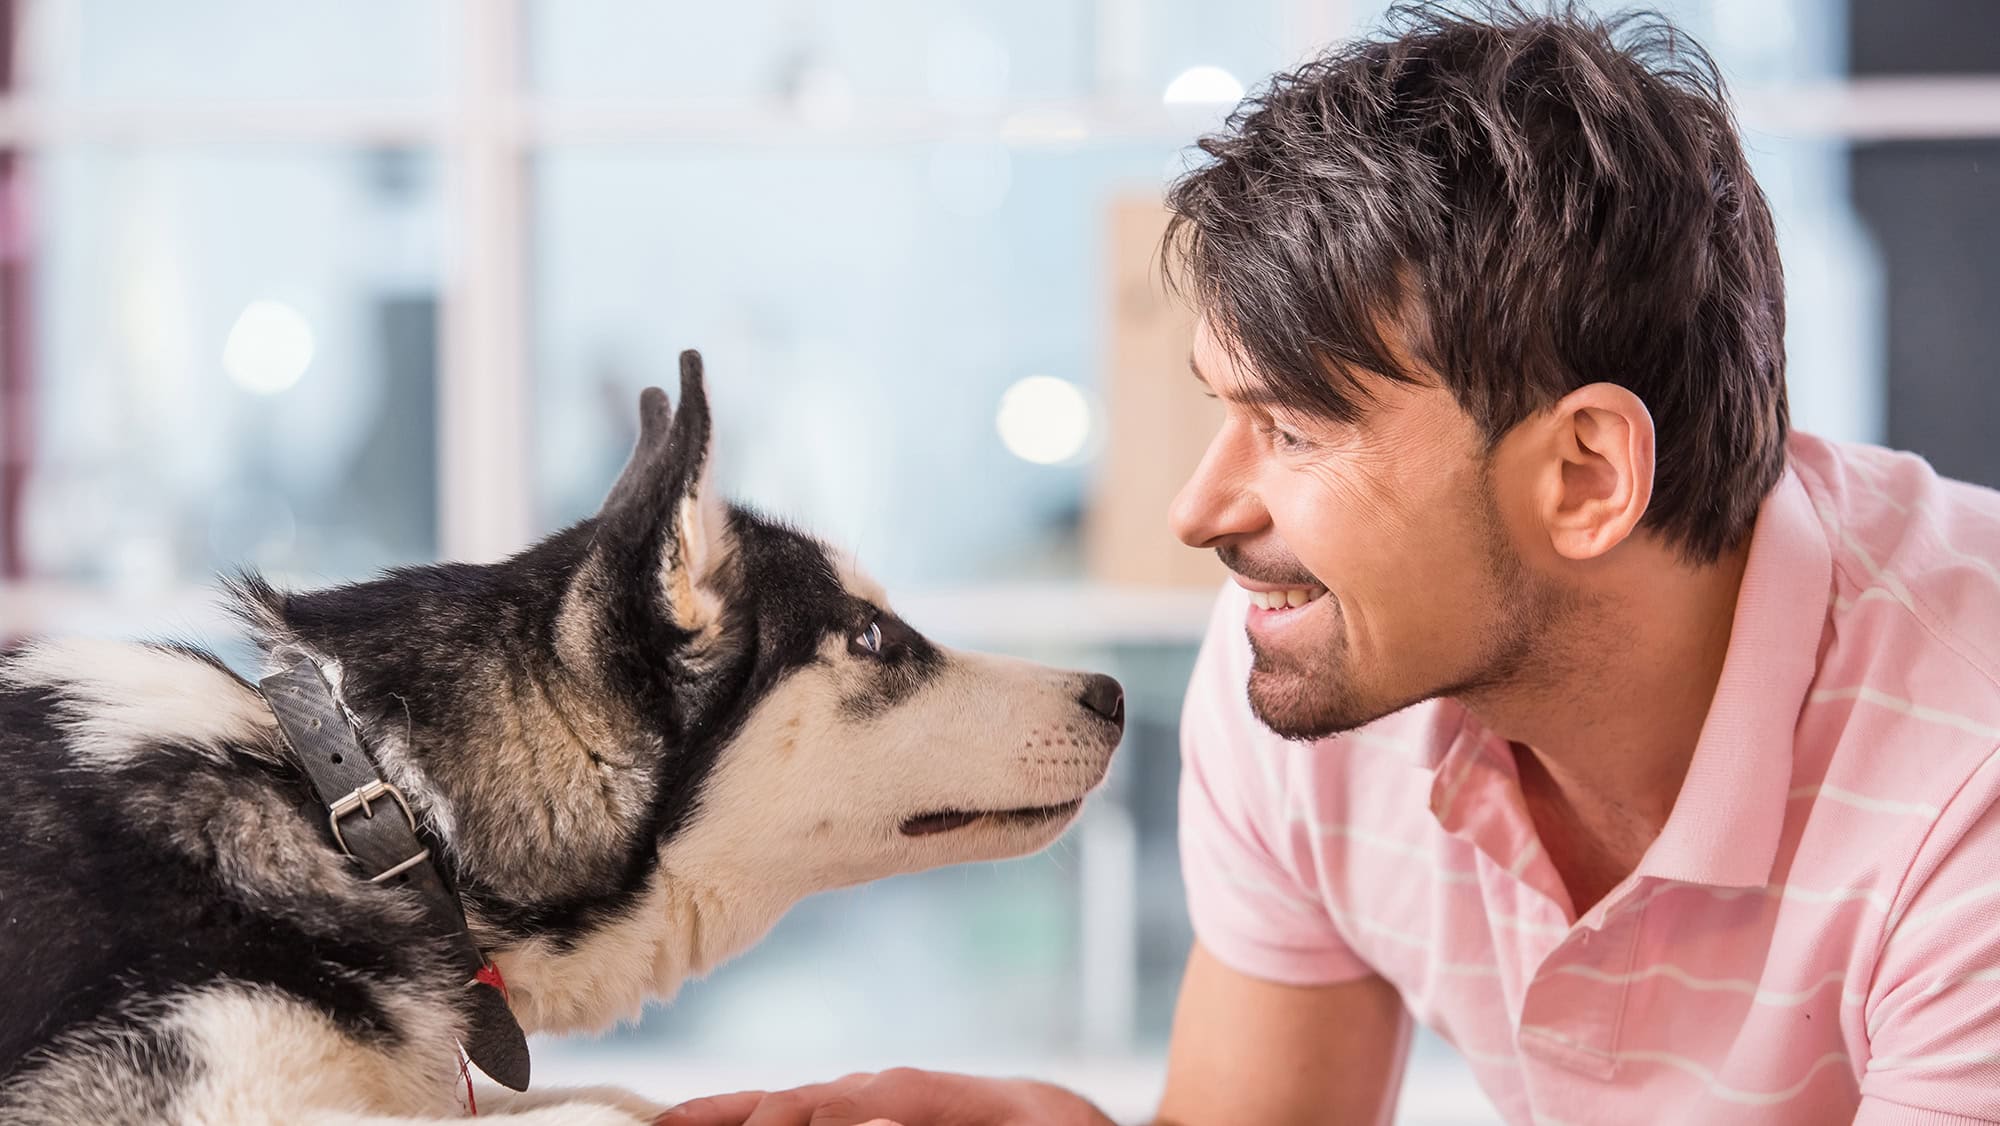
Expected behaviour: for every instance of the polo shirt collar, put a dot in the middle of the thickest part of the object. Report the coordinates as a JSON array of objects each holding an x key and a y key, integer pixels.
[{"x": 1726, "y": 822}]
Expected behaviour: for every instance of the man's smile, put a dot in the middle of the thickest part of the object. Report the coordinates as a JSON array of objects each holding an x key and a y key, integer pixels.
[{"x": 1276, "y": 609}]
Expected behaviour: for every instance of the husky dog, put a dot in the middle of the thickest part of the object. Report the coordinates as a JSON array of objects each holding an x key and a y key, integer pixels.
[{"x": 626, "y": 751}]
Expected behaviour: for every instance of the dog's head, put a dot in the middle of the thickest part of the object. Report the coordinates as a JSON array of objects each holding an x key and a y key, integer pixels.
[
  {"x": 811, "y": 737},
  {"x": 642, "y": 739},
  {"x": 681, "y": 698}
]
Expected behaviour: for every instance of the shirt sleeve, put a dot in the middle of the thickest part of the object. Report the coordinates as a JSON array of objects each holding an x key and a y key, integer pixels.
[
  {"x": 1254, "y": 911},
  {"x": 1933, "y": 1011}
]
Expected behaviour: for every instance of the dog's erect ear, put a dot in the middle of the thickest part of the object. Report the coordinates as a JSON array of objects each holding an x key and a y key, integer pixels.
[{"x": 663, "y": 505}]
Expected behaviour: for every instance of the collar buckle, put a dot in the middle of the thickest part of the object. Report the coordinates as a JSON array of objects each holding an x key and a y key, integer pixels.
[{"x": 358, "y": 799}]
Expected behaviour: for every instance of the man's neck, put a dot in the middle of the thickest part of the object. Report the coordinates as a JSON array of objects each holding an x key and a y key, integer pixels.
[{"x": 1604, "y": 732}]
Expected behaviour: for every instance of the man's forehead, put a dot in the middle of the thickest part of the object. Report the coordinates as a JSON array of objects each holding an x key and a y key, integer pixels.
[
  {"x": 1230, "y": 384},
  {"x": 1229, "y": 377},
  {"x": 1219, "y": 364},
  {"x": 1223, "y": 365}
]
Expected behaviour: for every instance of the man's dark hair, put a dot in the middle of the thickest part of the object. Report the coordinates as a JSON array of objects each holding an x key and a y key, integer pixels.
[{"x": 1530, "y": 201}]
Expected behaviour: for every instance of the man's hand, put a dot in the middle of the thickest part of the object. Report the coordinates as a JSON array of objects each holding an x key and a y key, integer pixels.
[{"x": 903, "y": 1097}]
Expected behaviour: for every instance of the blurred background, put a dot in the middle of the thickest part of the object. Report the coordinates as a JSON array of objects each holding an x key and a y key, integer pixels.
[{"x": 332, "y": 285}]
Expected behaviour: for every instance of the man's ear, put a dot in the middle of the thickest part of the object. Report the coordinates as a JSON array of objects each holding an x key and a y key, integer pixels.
[
  {"x": 1596, "y": 478},
  {"x": 662, "y": 518}
]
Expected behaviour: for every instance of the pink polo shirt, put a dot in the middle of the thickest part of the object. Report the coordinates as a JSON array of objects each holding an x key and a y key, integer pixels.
[{"x": 1814, "y": 937}]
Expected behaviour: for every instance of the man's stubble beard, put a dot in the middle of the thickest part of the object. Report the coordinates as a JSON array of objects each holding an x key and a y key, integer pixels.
[{"x": 1320, "y": 695}]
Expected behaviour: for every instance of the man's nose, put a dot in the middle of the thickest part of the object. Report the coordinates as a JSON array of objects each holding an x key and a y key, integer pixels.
[{"x": 1217, "y": 502}]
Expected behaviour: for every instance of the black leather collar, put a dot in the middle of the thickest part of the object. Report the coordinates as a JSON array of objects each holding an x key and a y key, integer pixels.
[{"x": 371, "y": 822}]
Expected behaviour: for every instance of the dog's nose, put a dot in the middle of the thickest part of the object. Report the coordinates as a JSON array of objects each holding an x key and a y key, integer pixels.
[{"x": 1106, "y": 697}]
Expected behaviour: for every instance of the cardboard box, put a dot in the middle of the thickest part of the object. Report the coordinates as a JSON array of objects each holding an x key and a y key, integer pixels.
[{"x": 1158, "y": 420}]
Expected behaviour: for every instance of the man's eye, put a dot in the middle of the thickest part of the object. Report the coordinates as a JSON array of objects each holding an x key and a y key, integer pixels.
[
  {"x": 870, "y": 640},
  {"x": 1282, "y": 438}
]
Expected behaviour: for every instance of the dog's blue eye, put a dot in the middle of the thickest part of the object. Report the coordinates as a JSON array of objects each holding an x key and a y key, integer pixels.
[{"x": 871, "y": 638}]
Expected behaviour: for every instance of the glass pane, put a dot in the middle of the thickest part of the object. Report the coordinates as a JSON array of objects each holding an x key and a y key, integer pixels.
[
  {"x": 1246, "y": 40},
  {"x": 234, "y": 364},
  {"x": 1927, "y": 207},
  {"x": 1833, "y": 288},
  {"x": 214, "y": 49},
  {"x": 777, "y": 52},
  {"x": 784, "y": 51},
  {"x": 863, "y": 311},
  {"x": 1768, "y": 43}
]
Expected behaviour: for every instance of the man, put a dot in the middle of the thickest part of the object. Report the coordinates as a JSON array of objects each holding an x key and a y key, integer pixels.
[{"x": 1645, "y": 752}]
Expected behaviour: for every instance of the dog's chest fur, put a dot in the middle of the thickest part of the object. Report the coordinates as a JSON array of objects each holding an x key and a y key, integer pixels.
[{"x": 166, "y": 884}]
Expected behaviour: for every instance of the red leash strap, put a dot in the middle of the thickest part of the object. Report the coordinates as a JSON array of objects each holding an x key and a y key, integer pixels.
[
  {"x": 489, "y": 974},
  {"x": 465, "y": 1073}
]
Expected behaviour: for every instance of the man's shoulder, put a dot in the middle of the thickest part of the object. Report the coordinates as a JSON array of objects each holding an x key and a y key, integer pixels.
[
  {"x": 1904, "y": 707},
  {"x": 1916, "y": 559}
]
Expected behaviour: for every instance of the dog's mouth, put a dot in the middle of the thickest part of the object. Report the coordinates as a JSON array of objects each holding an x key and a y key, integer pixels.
[{"x": 947, "y": 820}]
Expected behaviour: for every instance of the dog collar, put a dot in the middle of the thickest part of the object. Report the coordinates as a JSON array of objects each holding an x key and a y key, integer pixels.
[{"x": 389, "y": 852}]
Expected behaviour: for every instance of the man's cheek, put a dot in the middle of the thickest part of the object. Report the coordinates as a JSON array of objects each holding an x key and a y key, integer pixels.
[{"x": 1324, "y": 543}]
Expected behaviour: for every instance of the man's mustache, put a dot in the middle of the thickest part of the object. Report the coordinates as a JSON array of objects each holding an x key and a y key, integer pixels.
[{"x": 1277, "y": 572}]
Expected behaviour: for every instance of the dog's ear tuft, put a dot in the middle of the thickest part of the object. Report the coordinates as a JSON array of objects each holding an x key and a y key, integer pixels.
[
  {"x": 642, "y": 469},
  {"x": 664, "y": 504},
  {"x": 256, "y": 603}
]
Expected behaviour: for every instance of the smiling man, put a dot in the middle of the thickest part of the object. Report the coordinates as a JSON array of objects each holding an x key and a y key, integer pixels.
[{"x": 1565, "y": 700}]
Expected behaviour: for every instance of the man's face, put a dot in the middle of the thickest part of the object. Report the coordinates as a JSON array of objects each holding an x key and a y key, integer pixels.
[{"x": 1391, "y": 531}]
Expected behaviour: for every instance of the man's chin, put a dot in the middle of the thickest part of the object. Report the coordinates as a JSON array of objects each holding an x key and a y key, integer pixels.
[{"x": 1295, "y": 708}]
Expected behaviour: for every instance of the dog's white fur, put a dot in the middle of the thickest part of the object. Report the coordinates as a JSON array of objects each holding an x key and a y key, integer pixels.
[{"x": 121, "y": 697}]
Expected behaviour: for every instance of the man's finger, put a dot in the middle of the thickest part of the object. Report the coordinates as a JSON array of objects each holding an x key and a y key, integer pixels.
[
  {"x": 718, "y": 1110},
  {"x": 761, "y": 1108},
  {"x": 843, "y": 1113},
  {"x": 785, "y": 1108},
  {"x": 901, "y": 1095},
  {"x": 740, "y": 1109}
]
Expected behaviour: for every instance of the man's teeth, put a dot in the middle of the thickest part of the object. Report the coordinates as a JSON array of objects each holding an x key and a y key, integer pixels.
[{"x": 1280, "y": 599}]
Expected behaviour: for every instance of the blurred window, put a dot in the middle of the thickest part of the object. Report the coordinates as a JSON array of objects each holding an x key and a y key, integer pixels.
[{"x": 333, "y": 285}]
